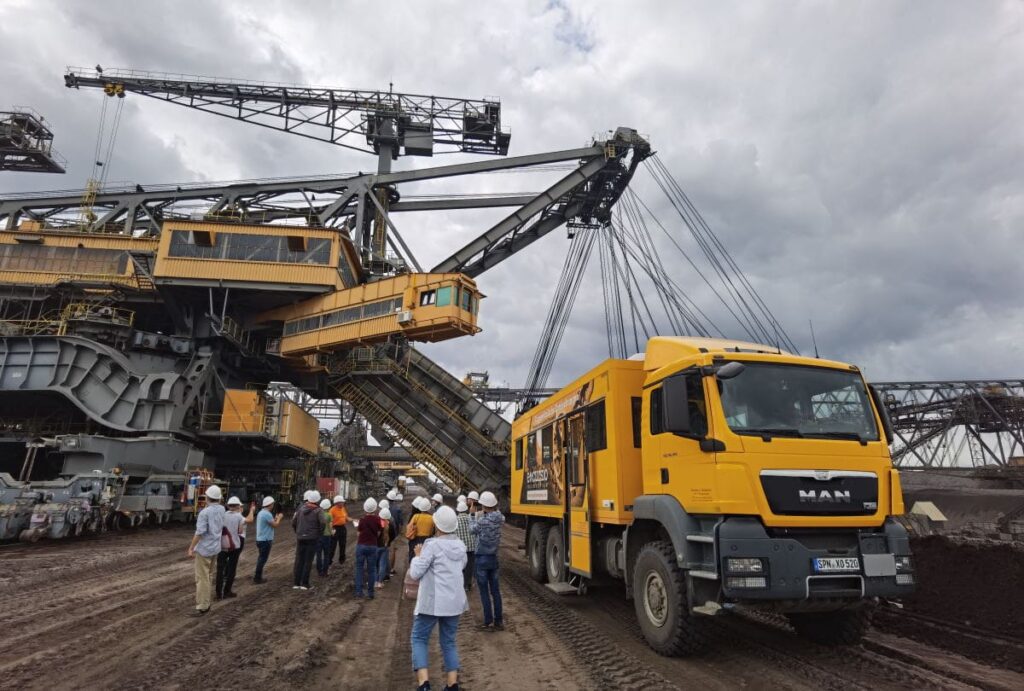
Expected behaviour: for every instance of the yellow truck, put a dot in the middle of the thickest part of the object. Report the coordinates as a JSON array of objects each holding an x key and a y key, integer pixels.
[{"x": 709, "y": 473}]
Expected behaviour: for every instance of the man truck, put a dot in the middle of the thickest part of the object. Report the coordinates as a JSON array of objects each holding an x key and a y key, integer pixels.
[{"x": 709, "y": 474}]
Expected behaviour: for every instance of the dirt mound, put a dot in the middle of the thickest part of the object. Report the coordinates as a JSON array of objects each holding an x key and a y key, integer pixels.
[{"x": 969, "y": 584}]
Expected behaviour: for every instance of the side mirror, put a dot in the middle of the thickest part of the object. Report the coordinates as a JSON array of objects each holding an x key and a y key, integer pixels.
[
  {"x": 675, "y": 411},
  {"x": 883, "y": 415},
  {"x": 730, "y": 370}
]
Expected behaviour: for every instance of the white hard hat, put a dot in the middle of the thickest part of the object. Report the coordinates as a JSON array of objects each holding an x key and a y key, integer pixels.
[
  {"x": 445, "y": 519},
  {"x": 385, "y": 514},
  {"x": 474, "y": 495},
  {"x": 338, "y": 499},
  {"x": 399, "y": 497},
  {"x": 325, "y": 504},
  {"x": 461, "y": 497},
  {"x": 314, "y": 496},
  {"x": 213, "y": 492},
  {"x": 461, "y": 507},
  {"x": 421, "y": 503},
  {"x": 307, "y": 495},
  {"x": 488, "y": 499},
  {"x": 383, "y": 503},
  {"x": 402, "y": 478},
  {"x": 393, "y": 495},
  {"x": 234, "y": 501},
  {"x": 438, "y": 498},
  {"x": 370, "y": 505},
  {"x": 267, "y": 501}
]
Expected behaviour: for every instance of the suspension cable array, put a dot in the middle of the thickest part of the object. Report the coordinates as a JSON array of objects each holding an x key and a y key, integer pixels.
[{"x": 641, "y": 296}]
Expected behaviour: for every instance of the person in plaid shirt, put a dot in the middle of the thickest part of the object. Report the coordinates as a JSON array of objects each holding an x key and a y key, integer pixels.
[{"x": 469, "y": 539}]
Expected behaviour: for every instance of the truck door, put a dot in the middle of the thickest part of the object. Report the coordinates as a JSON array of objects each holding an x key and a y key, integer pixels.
[{"x": 579, "y": 497}]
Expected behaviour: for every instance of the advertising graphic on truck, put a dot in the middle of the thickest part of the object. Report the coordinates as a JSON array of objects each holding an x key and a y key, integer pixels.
[{"x": 708, "y": 474}]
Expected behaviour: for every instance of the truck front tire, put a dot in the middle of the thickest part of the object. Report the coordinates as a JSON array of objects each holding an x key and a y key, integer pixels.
[
  {"x": 659, "y": 595},
  {"x": 536, "y": 550},
  {"x": 841, "y": 627}
]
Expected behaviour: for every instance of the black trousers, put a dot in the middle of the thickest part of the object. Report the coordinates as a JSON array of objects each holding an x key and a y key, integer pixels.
[
  {"x": 227, "y": 565},
  {"x": 339, "y": 539},
  {"x": 467, "y": 573},
  {"x": 305, "y": 550}
]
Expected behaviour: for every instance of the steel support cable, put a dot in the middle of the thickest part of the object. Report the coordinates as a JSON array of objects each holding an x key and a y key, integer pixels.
[
  {"x": 631, "y": 277},
  {"x": 679, "y": 319},
  {"x": 545, "y": 335},
  {"x": 659, "y": 275},
  {"x": 780, "y": 333},
  {"x": 766, "y": 311},
  {"x": 114, "y": 129},
  {"x": 694, "y": 266},
  {"x": 99, "y": 137},
  {"x": 620, "y": 272},
  {"x": 750, "y": 322},
  {"x": 642, "y": 258},
  {"x": 606, "y": 296},
  {"x": 617, "y": 316}
]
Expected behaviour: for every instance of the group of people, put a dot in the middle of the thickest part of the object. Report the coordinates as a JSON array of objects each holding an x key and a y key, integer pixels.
[{"x": 448, "y": 549}]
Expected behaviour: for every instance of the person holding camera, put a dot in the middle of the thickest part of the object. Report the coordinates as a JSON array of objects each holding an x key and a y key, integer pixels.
[{"x": 266, "y": 522}]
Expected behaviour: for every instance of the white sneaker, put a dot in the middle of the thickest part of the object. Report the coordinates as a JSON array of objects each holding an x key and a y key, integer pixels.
[
  {"x": 302, "y": 587},
  {"x": 295, "y": 587}
]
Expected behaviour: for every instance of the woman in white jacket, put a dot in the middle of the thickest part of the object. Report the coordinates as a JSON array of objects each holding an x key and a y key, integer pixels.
[{"x": 441, "y": 598}]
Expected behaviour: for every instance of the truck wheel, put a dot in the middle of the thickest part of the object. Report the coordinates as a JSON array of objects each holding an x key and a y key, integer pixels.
[
  {"x": 659, "y": 595},
  {"x": 555, "y": 554},
  {"x": 841, "y": 627},
  {"x": 536, "y": 548}
]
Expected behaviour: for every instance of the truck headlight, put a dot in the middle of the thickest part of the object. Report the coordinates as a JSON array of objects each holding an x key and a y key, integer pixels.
[
  {"x": 744, "y": 566},
  {"x": 904, "y": 579},
  {"x": 903, "y": 564},
  {"x": 746, "y": 582}
]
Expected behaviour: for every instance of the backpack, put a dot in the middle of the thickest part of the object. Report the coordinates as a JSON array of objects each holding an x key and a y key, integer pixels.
[{"x": 227, "y": 540}]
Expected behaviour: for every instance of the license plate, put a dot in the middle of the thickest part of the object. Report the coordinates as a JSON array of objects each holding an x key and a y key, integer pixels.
[{"x": 832, "y": 564}]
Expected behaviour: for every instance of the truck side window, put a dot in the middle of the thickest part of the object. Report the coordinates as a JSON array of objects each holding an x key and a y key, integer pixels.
[
  {"x": 636, "y": 405},
  {"x": 519, "y": 454},
  {"x": 596, "y": 433},
  {"x": 696, "y": 405},
  {"x": 656, "y": 419}
]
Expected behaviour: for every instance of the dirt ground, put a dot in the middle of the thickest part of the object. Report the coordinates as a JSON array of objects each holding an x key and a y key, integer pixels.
[{"x": 110, "y": 612}]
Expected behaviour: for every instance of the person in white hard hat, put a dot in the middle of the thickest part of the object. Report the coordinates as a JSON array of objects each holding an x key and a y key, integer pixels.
[
  {"x": 387, "y": 536},
  {"x": 473, "y": 501},
  {"x": 421, "y": 526},
  {"x": 441, "y": 599},
  {"x": 395, "y": 497},
  {"x": 339, "y": 523},
  {"x": 266, "y": 522},
  {"x": 368, "y": 533},
  {"x": 486, "y": 526},
  {"x": 308, "y": 523},
  {"x": 436, "y": 501},
  {"x": 461, "y": 499},
  {"x": 323, "y": 544},
  {"x": 230, "y": 548},
  {"x": 206, "y": 546},
  {"x": 469, "y": 540}
]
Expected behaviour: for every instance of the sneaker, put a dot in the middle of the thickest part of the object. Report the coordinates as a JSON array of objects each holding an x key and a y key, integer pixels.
[
  {"x": 303, "y": 587},
  {"x": 230, "y": 595},
  {"x": 198, "y": 612},
  {"x": 218, "y": 596},
  {"x": 484, "y": 627},
  {"x": 297, "y": 587},
  {"x": 453, "y": 687},
  {"x": 498, "y": 626},
  {"x": 425, "y": 686}
]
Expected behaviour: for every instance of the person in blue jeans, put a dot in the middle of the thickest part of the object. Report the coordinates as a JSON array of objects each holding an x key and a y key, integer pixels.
[
  {"x": 486, "y": 525},
  {"x": 440, "y": 600},
  {"x": 266, "y": 523},
  {"x": 323, "y": 545},
  {"x": 388, "y": 534},
  {"x": 368, "y": 535}
]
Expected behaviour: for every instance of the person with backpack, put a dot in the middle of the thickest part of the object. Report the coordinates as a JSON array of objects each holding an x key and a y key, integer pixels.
[
  {"x": 421, "y": 525},
  {"x": 323, "y": 545},
  {"x": 231, "y": 547},
  {"x": 486, "y": 525},
  {"x": 440, "y": 599},
  {"x": 308, "y": 523}
]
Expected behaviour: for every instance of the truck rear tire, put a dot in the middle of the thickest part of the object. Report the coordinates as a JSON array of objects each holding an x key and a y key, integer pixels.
[
  {"x": 536, "y": 550},
  {"x": 659, "y": 595},
  {"x": 555, "y": 554},
  {"x": 841, "y": 627}
]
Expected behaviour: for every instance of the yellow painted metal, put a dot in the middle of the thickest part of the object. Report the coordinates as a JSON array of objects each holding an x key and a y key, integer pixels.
[
  {"x": 726, "y": 482},
  {"x": 298, "y": 428},
  {"x": 33, "y": 255},
  {"x": 243, "y": 411}
]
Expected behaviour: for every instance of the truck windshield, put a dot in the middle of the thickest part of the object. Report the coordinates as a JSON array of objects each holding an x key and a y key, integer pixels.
[{"x": 797, "y": 401}]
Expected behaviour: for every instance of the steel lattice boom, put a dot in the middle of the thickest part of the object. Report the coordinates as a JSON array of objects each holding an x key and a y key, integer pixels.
[{"x": 383, "y": 119}]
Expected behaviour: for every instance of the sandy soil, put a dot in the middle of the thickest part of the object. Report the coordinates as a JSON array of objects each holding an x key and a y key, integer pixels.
[{"x": 110, "y": 612}]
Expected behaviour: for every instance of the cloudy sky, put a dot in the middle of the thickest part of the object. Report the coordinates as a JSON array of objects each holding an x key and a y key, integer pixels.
[{"x": 861, "y": 161}]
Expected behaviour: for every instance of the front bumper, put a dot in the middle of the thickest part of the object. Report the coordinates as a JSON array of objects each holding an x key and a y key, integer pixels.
[{"x": 787, "y": 558}]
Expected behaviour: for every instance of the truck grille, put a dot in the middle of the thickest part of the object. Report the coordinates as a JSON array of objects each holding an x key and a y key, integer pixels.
[{"x": 820, "y": 492}]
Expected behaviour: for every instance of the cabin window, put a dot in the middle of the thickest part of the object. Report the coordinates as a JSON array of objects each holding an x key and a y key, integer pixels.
[
  {"x": 656, "y": 419},
  {"x": 444, "y": 296},
  {"x": 545, "y": 445},
  {"x": 519, "y": 453},
  {"x": 428, "y": 297},
  {"x": 199, "y": 244},
  {"x": 296, "y": 243},
  {"x": 532, "y": 461},
  {"x": 596, "y": 427},
  {"x": 203, "y": 238},
  {"x": 467, "y": 300},
  {"x": 636, "y": 406}
]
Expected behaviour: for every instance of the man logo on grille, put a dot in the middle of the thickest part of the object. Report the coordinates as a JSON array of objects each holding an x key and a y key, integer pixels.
[{"x": 824, "y": 496}]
